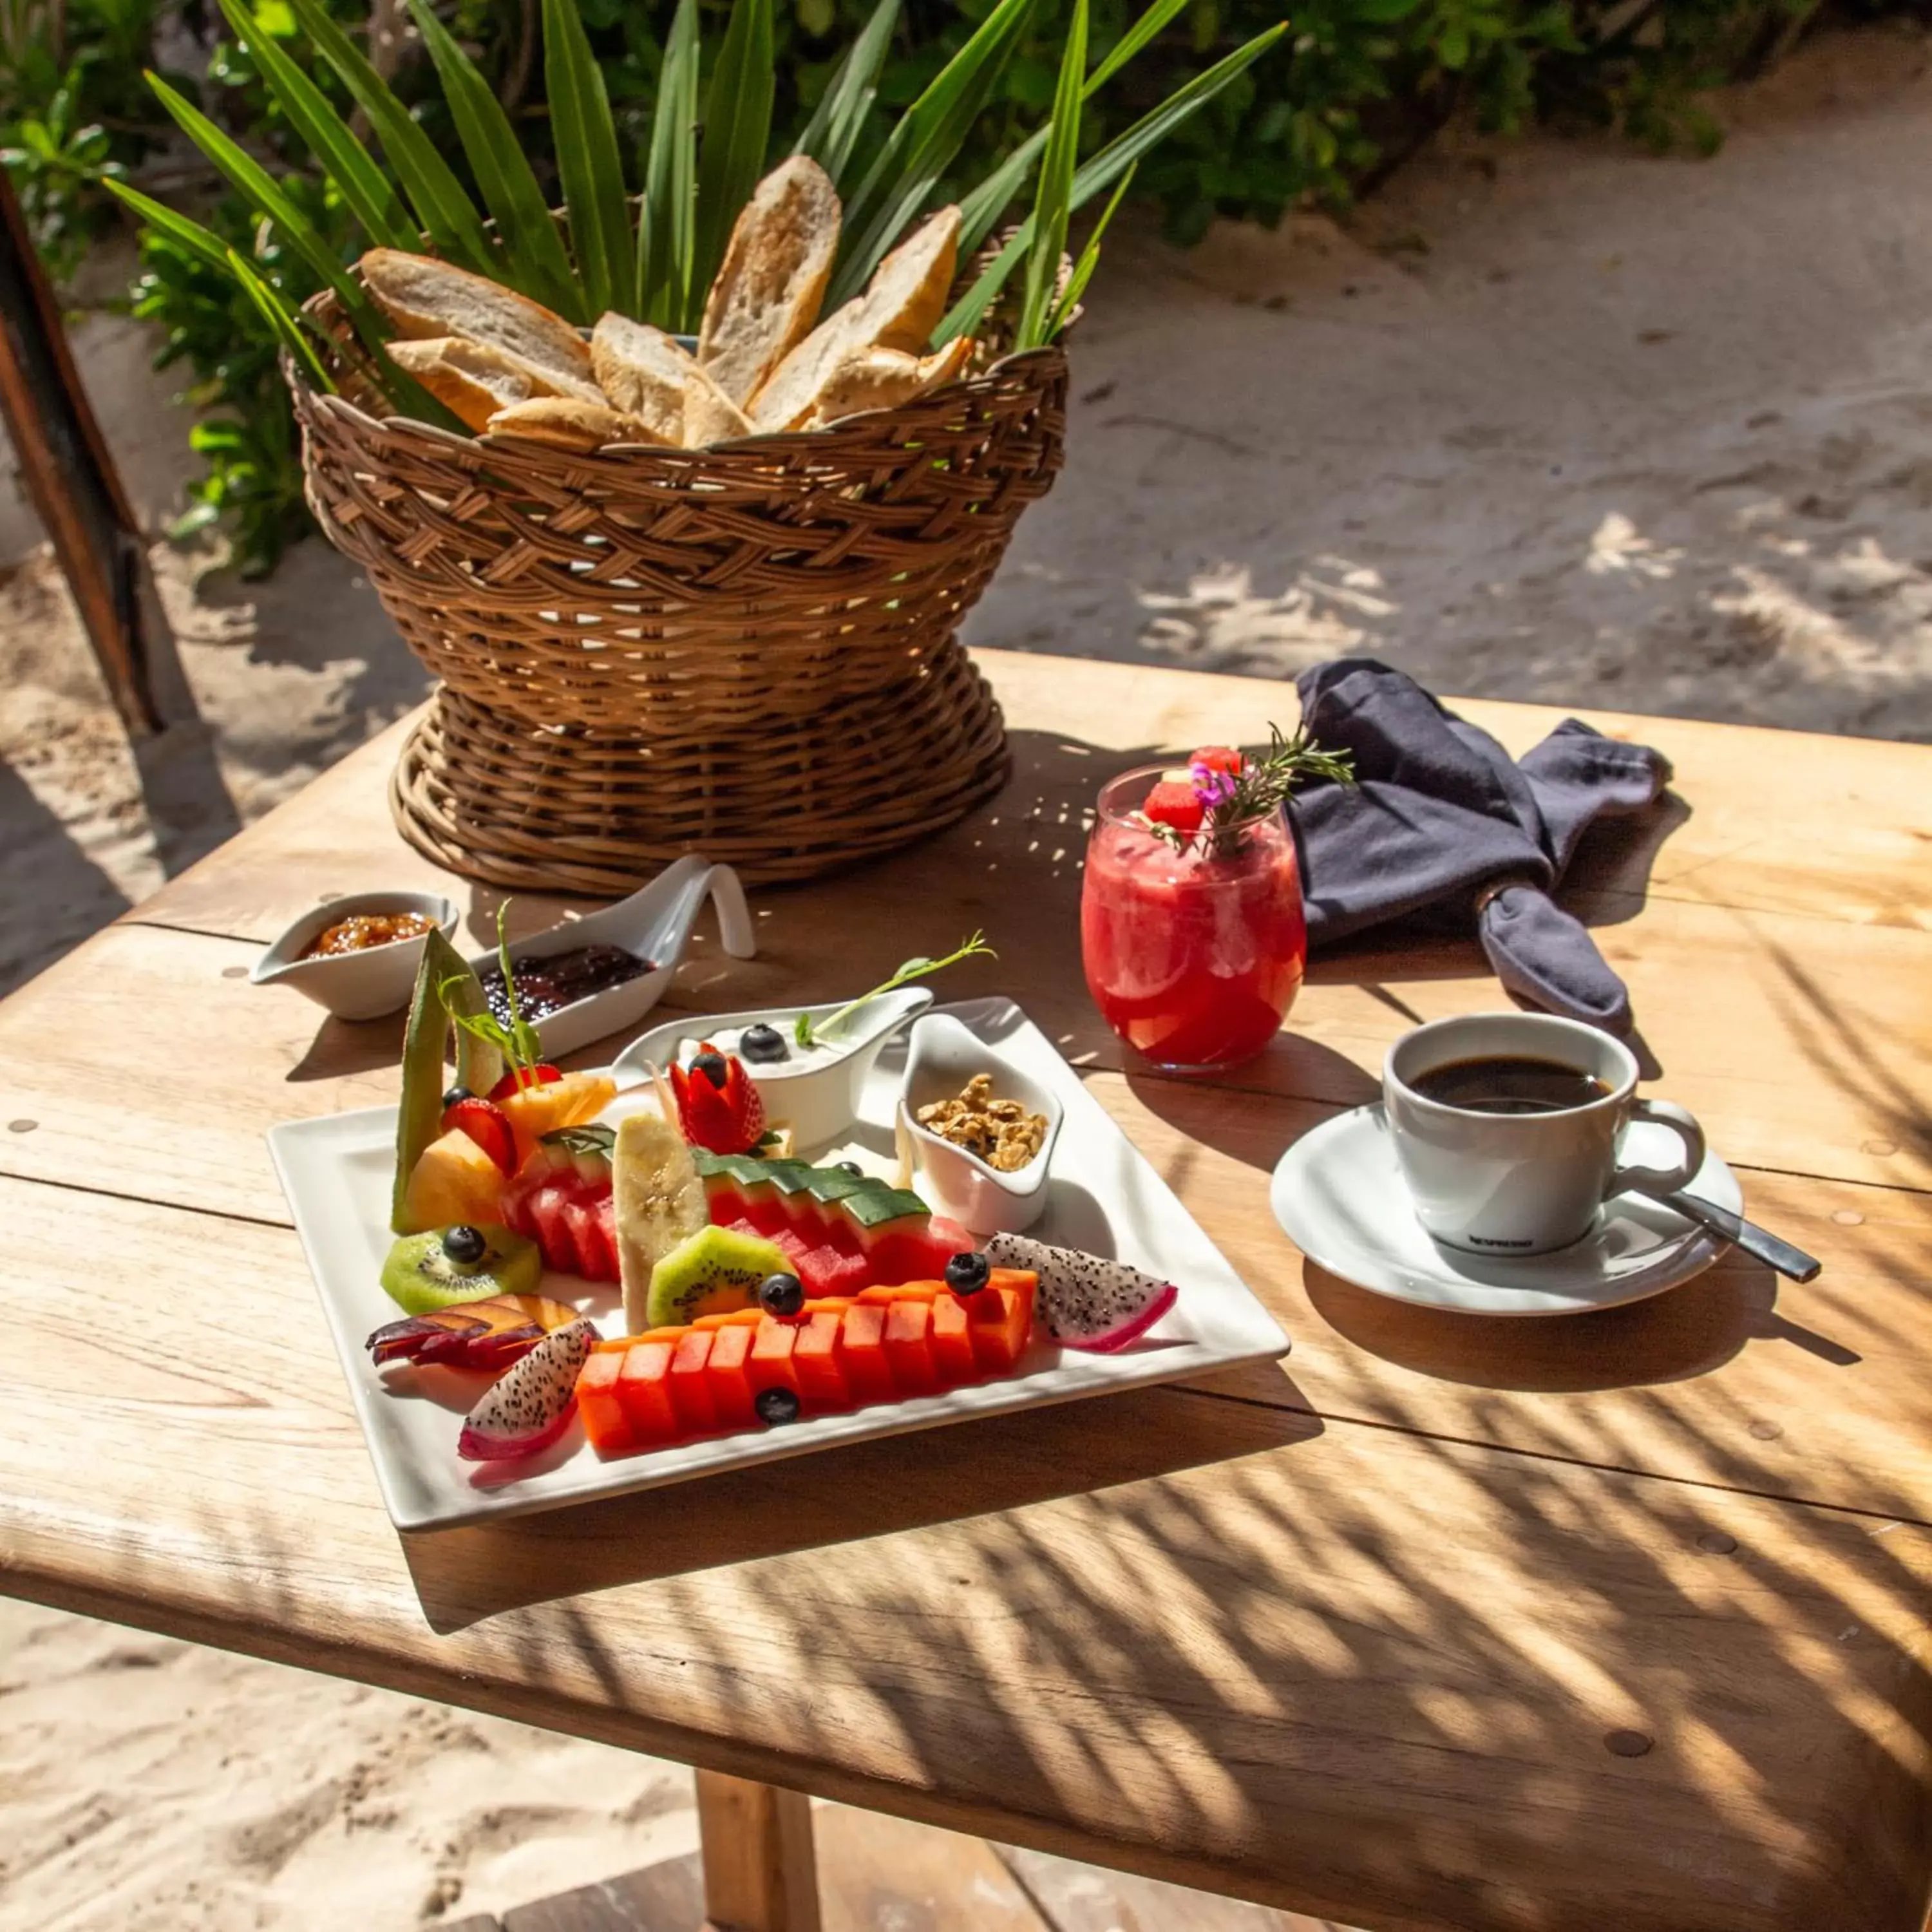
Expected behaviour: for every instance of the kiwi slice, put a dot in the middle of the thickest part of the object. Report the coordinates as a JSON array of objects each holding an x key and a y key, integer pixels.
[
  {"x": 421, "y": 1275},
  {"x": 710, "y": 1273}
]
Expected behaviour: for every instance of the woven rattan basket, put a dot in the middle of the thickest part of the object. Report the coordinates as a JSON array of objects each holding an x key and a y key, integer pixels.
[{"x": 751, "y": 652}]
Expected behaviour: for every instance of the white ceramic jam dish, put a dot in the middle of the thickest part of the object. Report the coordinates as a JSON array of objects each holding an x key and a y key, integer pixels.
[
  {"x": 814, "y": 1091},
  {"x": 654, "y": 925},
  {"x": 368, "y": 982},
  {"x": 941, "y": 1056}
]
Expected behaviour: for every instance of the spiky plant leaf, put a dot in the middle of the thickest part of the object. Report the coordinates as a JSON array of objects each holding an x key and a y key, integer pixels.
[
  {"x": 831, "y": 135},
  {"x": 1053, "y": 204},
  {"x": 281, "y": 319},
  {"x": 1069, "y": 298},
  {"x": 443, "y": 207},
  {"x": 198, "y": 241},
  {"x": 539, "y": 265},
  {"x": 588, "y": 162},
  {"x": 737, "y": 130},
  {"x": 667, "y": 228},
  {"x": 364, "y": 186}
]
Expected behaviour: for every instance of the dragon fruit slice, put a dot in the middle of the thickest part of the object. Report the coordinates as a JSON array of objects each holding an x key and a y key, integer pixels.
[
  {"x": 533, "y": 1405},
  {"x": 1084, "y": 1301}
]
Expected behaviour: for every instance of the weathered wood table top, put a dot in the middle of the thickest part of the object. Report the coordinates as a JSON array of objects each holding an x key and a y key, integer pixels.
[{"x": 1618, "y": 1621}]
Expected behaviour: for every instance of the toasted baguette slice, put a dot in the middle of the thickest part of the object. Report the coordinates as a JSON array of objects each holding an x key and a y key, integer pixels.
[
  {"x": 710, "y": 415},
  {"x": 900, "y": 309},
  {"x": 565, "y": 423},
  {"x": 642, "y": 371},
  {"x": 427, "y": 299},
  {"x": 766, "y": 295},
  {"x": 473, "y": 378},
  {"x": 878, "y": 379}
]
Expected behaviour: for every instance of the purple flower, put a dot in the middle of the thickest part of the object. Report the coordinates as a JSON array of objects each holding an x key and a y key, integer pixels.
[{"x": 1212, "y": 788}]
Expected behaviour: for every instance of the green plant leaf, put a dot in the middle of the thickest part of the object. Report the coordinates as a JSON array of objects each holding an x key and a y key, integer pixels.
[
  {"x": 1102, "y": 170},
  {"x": 667, "y": 226},
  {"x": 444, "y": 208},
  {"x": 1053, "y": 203},
  {"x": 198, "y": 241},
  {"x": 921, "y": 147},
  {"x": 364, "y": 186},
  {"x": 988, "y": 201},
  {"x": 832, "y": 133},
  {"x": 539, "y": 265},
  {"x": 257, "y": 186},
  {"x": 281, "y": 319},
  {"x": 737, "y": 130},
  {"x": 588, "y": 161},
  {"x": 1069, "y": 299}
]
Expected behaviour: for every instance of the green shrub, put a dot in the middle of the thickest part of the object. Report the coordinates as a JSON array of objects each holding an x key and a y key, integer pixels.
[{"x": 1358, "y": 83}]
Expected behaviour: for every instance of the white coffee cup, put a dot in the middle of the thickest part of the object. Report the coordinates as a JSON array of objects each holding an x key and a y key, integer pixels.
[{"x": 1522, "y": 1183}]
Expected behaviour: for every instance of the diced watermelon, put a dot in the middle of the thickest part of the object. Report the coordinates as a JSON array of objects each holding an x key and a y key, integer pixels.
[
  {"x": 862, "y": 1354},
  {"x": 605, "y": 1209},
  {"x": 586, "y": 1241},
  {"x": 916, "y": 1252},
  {"x": 691, "y": 1393},
  {"x": 953, "y": 1360},
  {"x": 815, "y": 1355},
  {"x": 598, "y": 1402},
  {"x": 643, "y": 1388},
  {"x": 908, "y": 1347},
  {"x": 726, "y": 1372},
  {"x": 825, "y": 1271}
]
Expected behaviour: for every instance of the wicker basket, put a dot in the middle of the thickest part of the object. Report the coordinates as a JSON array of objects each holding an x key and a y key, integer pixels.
[{"x": 751, "y": 652}]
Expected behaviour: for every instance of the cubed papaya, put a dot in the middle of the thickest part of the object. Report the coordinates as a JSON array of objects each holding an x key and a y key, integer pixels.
[
  {"x": 904, "y": 1291},
  {"x": 815, "y": 1355},
  {"x": 643, "y": 1388},
  {"x": 597, "y": 1401},
  {"x": 770, "y": 1364},
  {"x": 953, "y": 1361},
  {"x": 1001, "y": 1320},
  {"x": 738, "y": 1318},
  {"x": 691, "y": 1394},
  {"x": 862, "y": 1354},
  {"x": 725, "y": 1372},
  {"x": 909, "y": 1346}
]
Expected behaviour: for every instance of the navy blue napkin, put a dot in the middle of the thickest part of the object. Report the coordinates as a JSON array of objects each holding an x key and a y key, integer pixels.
[{"x": 1444, "y": 827}]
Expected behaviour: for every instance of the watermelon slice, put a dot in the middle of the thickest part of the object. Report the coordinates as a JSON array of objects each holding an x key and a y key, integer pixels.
[{"x": 572, "y": 1219}]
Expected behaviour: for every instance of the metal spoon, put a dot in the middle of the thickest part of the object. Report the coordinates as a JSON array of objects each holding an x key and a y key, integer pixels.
[{"x": 1760, "y": 1244}]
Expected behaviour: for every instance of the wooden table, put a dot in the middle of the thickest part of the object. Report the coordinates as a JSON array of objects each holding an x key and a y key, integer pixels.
[{"x": 1616, "y": 1622}]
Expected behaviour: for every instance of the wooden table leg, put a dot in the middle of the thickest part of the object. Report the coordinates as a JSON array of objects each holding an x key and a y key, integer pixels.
[{"x": 760, "y": 1873}]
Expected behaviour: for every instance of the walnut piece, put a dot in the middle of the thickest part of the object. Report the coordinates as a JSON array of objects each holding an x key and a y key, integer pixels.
[{"x": 1001, "y": 1132}]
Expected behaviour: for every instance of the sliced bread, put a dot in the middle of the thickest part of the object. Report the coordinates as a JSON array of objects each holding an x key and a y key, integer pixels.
[
  {"x": 880, "y": 378},
  {"x": 427, "y": 299},
  {"x": 902, "y": 305},
  {"x": 710, "y": 415},
  {"x": 565, "y": 423},
  {"x": 474, "y": 380},
  {"x": 766, "y": 297},
  {"x": 642, "y": 371}
]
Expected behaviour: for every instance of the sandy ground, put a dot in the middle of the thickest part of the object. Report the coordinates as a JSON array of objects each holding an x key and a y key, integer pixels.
[{"x": 1550, "y": 420}]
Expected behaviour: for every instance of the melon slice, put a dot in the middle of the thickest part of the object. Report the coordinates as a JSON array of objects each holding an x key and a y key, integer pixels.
[{"x": 453, "y": 1180}]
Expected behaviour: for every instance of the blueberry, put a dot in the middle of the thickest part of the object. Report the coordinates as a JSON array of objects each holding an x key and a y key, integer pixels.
[
  {"x": 848, "y": 1167},
  {"x": 762, "y": 1043},
  {"x": 711, "y": 1066},
  {"x": 968, "y": 1273},
  {"x": 776, "y": 1405},
  {"x": 781, "y": 1294},
  {"x": 455, "y": 1094},
  {"x": 464, "y": 1245}
]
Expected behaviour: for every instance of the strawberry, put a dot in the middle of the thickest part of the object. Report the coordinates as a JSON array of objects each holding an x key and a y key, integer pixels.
[
  {"x": 518, "y": 1077},
  {"x": 1219, "y": 758},
  {"x": 717, "y": 1102},
  {"x": 488, "y": 1126},
  {"x": 1172, "y": 803}
]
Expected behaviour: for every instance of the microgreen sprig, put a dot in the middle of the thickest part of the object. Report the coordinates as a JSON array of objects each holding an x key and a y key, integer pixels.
[
  {"x": 518, "y": 1043},
  {"x": 973, "y": 948}
]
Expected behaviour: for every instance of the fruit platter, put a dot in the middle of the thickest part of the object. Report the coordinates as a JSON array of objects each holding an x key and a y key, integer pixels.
[{"x": 548, "y": 1286}]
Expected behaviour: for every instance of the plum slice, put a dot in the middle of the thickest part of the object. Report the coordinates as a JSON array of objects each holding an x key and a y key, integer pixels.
[{"x": 488, "y": 1334}]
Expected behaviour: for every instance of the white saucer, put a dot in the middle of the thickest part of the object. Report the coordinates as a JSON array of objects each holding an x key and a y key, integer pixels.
[{"x": 1340, "y": 1197}]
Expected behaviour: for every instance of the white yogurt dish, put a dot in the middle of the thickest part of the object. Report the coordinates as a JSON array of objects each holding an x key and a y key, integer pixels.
[{"x": 813, "y": 1091}]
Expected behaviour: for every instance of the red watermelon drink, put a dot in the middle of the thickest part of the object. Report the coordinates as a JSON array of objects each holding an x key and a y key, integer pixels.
[{"x": 1191, "y": 923}]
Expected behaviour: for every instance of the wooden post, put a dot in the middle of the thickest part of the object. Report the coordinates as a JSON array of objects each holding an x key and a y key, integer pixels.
[
  {"x": 760, "y": 1873},
  {"x": 69, "y": 475}
]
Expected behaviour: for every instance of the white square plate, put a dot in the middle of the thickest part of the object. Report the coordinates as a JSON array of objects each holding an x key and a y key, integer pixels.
[{"x": 1105, "y": 1197}]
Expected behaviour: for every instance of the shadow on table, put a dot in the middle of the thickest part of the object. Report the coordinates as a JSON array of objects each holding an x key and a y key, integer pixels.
[{"x": 837, "y": 1496}]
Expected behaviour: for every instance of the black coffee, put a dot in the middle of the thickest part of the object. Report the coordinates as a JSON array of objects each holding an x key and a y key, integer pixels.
[{"x": 1510, "y": 1084}]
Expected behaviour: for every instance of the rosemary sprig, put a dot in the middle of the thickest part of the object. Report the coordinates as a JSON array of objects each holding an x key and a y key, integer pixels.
[
  {"x": 518, "y": 1043},
  {"x": 973, "y": 948},
  {"x": 1234, "y": 801}
]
